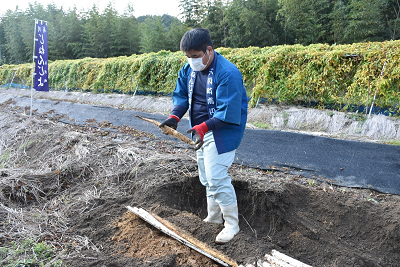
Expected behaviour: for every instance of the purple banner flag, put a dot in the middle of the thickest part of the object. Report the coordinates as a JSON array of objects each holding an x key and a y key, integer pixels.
[{"x": 41, "y": 58}]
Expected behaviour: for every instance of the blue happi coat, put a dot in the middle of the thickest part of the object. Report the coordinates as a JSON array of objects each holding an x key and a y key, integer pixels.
[{"x": 228, "y": 103}]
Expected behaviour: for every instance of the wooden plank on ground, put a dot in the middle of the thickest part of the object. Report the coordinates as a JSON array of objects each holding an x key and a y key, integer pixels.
[
  {"x": 205, "y": 250},
  {"x": 277, "y": 259}
]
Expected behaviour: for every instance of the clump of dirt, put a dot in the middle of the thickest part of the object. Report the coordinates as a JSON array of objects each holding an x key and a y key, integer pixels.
[{"x": 69, "y": 186}]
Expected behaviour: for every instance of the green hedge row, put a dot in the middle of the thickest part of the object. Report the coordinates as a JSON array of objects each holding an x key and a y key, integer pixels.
[{"x": 324, "y": 74}]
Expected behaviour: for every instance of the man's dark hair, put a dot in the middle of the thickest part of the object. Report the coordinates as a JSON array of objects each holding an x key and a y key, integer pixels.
[{"x": 196, "y": 39}]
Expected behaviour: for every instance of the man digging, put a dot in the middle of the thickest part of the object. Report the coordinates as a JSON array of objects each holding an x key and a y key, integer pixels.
[{"x": 212, "y": 89}]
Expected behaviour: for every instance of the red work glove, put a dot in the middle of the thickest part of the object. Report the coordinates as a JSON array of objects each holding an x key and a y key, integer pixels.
[{"x": 199, "y": 130}]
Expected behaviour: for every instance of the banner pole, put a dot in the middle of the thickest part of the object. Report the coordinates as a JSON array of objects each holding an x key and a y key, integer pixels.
[{"x": 33, "y": 68}]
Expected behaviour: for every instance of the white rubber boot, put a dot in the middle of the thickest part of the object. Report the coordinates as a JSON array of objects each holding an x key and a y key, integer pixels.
[
  {"x": 231, "y": 217},
  {"x": 214, "y": 212}
]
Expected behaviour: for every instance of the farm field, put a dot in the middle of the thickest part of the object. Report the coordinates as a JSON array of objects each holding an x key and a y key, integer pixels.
[{"x": 68, "y": 186}]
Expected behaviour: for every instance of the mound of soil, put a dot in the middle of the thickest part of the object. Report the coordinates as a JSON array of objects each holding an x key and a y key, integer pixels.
[{"x": 70, "y": 185}]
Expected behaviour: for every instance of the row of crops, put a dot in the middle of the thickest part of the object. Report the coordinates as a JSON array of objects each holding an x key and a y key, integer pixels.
[{"x": 325, "y": 75}]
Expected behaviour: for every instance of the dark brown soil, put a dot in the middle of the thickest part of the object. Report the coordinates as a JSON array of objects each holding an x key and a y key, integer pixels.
[{"x": 80, "y": 180}]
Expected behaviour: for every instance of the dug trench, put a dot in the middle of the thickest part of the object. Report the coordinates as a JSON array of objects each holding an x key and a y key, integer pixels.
[
  {"x": 72, "y": 185},
  {"x": 317, "y": 227}
]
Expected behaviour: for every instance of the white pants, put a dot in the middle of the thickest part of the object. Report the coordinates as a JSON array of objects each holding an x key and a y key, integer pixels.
[{"x": 213, "y": 171}]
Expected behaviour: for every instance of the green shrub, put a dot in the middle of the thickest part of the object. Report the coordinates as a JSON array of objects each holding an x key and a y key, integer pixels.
[{"x": 328, "y": 75}]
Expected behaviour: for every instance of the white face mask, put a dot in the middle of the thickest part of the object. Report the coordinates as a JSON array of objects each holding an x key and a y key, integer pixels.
[{"x": 197, "y": 63}]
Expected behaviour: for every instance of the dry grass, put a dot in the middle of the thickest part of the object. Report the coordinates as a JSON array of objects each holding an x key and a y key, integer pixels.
[{"x": 44, "y": 166}]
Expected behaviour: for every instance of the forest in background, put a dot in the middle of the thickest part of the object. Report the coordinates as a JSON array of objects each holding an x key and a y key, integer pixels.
[{"x": 76, "y": 34}]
